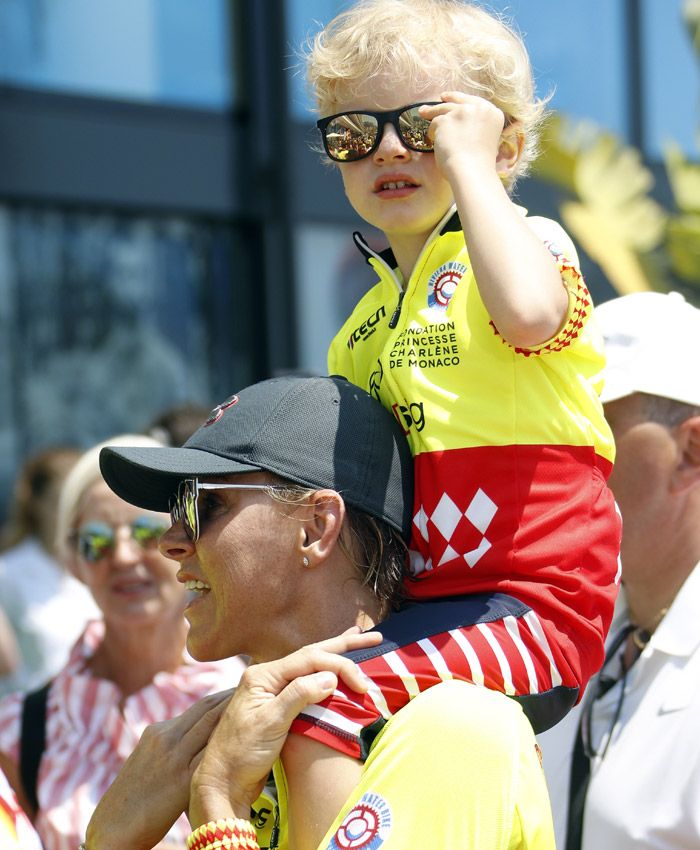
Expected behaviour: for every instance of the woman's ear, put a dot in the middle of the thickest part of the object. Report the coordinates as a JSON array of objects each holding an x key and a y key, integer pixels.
[
  {"x": 510, "y": 149},
  {"x": 321, "y": 526}
]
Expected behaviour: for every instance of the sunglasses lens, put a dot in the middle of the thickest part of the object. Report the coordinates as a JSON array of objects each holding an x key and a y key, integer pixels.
[
  {"x": 95, "y": 541},
  {"x": 350, "y": 136},
  {"x": 414, "y": 130},
  {"x": 146, "y": 530},
  {"x": 183, "y": 507}
]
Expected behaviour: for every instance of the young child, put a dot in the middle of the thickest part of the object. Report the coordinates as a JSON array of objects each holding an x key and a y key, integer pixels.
[{"x": 478, "y": 336}]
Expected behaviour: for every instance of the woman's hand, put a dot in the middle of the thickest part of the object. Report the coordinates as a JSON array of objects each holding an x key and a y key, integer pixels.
[
  {"x": 255, "y": 723},
  {"x": 152, "y": 789}
]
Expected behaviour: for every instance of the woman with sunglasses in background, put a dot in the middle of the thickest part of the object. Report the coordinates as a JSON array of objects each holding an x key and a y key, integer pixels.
[{"x": 126, "y": 671}]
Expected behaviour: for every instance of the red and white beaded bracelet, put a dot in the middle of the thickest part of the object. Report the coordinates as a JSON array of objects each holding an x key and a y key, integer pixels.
[{"x": 226, "y": 833}]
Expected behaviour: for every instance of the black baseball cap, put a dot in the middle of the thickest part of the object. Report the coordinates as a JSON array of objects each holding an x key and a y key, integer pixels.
[{"x": 320, "y": 432}]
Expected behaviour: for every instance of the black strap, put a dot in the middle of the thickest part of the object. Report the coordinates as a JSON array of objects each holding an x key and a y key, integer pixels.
[
  {"x": 580, "y": 774},
  {"x": 580, "y": 777},
  {"x": 32, "y": 742}
]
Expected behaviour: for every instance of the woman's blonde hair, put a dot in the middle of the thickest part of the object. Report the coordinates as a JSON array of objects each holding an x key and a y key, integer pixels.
[
  {"x": 446, "y": 44},
  {"x": 84, "y": 474}
]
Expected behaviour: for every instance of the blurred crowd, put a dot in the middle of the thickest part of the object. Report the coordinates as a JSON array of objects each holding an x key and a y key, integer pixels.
[{"x": 92, "y": 638}]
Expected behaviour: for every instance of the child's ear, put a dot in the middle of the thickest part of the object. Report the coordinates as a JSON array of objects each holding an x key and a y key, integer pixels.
[{"x": 510, "y": 149}]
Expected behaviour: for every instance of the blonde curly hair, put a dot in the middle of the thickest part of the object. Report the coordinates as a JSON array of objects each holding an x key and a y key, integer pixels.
[{"x": 447, "y": 44}]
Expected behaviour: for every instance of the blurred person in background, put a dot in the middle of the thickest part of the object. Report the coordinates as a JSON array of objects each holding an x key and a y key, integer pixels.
[
  {"x": 174, "y": 425},
  {"x": 128, "y": 669},
  {"x": 635, "y": 772},
  {"x": 9, "y": 650},
  {"x": 45, "y": 608}
]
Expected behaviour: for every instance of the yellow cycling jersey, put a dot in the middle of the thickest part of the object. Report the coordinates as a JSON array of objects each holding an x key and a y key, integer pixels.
[
  {"x": 457, "y": 768},
  {"x": 511, "y": 448},
  {"x": 438, "y": 362}
]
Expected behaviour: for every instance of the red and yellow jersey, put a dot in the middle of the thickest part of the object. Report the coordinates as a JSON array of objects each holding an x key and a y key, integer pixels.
[{"x": 511, "y": 447}]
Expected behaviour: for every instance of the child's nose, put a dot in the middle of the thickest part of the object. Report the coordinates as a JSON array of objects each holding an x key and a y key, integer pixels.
[{"x": 390, "y": 146}]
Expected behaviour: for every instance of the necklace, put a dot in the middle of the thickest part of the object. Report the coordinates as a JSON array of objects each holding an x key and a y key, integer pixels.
[{"x": 641, "y": 636}]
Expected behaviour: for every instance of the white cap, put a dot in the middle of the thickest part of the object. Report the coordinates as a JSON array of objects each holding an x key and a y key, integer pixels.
[{"x": 652, "y": 345}]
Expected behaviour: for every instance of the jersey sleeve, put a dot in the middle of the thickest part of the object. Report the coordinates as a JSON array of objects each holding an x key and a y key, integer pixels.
[
  {"x": 580, "y": 304},
  {"x": 457, "y": 767}
]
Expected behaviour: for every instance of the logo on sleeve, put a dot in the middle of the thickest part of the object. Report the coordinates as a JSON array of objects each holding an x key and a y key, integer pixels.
[
  {"x": 443, "y": 282},
  {"x": 366, "y": 827}
]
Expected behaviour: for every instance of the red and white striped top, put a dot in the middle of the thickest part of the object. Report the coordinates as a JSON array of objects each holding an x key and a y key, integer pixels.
[{"x": 90, "y": 734}]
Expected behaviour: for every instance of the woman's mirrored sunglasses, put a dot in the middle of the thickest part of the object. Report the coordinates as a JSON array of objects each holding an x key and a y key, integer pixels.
[
  {"x": 95, "y": 540},
  {"x": 349, "y": 136},
  {"x": 183, "y": 506}
]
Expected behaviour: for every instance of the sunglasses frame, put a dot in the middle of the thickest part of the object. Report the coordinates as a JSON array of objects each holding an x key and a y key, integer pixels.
[
  {"x": 84, "y": 549},
  {"x": 190, "y": 515},
  {"x": 390, "y": 116}
]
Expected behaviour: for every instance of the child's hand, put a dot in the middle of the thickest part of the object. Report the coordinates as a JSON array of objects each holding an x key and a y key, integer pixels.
[{"x": 466, "y": 131}]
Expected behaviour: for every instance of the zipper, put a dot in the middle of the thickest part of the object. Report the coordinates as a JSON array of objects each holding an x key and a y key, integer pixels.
[
  {"x": 275, "y": 832},
  {"x": 394, "y": 320},
  {"x": 367, "y": 251}
]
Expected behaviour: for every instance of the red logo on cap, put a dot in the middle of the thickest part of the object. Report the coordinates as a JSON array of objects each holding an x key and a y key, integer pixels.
[{"x": 218, "y": 411}]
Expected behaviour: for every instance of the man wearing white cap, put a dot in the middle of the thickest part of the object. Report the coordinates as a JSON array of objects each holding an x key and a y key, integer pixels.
[{"x": 638, "y": 734}]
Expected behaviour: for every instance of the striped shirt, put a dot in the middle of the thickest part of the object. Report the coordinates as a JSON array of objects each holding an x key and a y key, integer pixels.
[{"x": 91, "y": 730}]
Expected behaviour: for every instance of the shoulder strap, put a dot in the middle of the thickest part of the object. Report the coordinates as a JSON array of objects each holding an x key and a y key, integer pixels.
[{"x": 32, "y": 742}]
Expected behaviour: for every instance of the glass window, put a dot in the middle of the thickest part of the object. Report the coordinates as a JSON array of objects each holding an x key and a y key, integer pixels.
[
  {"x": 671, "y": 79},
  {"x": 577, "y": 52},
  {"x": 107, "y": 321},
  {"x": 304, "y": 19},
  {"x": 332, "y": 276},
  {"x": 167, "y": 51}
]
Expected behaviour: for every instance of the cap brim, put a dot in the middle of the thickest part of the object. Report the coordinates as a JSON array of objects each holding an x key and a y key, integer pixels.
[{"x": 148, "y": 477}]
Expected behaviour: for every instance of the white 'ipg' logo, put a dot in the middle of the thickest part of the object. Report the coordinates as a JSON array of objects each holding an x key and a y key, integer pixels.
[{"x": 443, "y": 283}]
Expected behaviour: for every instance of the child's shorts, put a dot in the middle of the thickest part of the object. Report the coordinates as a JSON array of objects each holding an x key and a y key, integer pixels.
[{"x": 492, "y": 640}]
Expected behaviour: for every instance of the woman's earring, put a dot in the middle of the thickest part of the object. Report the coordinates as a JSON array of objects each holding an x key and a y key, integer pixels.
[{"x": 305, "y": 561}]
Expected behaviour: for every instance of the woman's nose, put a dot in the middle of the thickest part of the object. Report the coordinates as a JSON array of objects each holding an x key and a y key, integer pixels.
[
  {"x": 126, "y": 551},
  {"x": 174, "y": 543}
]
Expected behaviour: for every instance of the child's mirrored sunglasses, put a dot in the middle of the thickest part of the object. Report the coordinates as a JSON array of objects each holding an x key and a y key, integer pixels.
[
  {"x": 349, "y": 136},
  {"x": 183, "y": 505},
  {"x": 95, "y": 540}
]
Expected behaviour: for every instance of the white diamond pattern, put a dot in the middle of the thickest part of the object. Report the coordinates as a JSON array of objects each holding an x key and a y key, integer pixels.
[
  {"x": 473, "y": 557},
  {"x": 420, "y": 520},
  {"x": 481, "y": 511},
  {"x": 446, "y": 517},
  {"x": 448, "y": 555}
]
